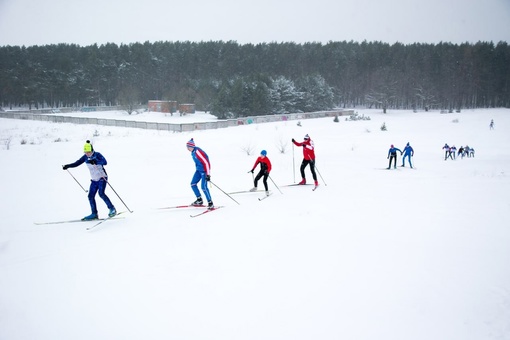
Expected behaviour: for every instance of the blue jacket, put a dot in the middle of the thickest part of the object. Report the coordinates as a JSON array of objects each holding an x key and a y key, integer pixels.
[
  {"x": 393, "y": 151},
  {"x": 408, "y": 150}
]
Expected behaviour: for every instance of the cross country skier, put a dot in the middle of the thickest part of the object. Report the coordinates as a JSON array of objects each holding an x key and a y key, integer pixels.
[
  {"x": 202, "y": 173},
  {"x": 447, "y": 151},
  {"x": 392, "y": 156},
  {"x": 95, "y": 162},
  {"x": 308, "y": 158},
  {"x": 265, "y": 169},
  {"x": 408, "y": 152}
]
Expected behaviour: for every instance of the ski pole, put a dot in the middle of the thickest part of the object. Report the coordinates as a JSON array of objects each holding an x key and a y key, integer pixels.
[
  {"x": 224, "y": 192},
  {"x": 320, "y": 174},
  {"x": 119, "y": 197},
  {"x": 69, "y": 172},
  {"x": 293, "y": 164},
  {"x": 275, "y": 185}
]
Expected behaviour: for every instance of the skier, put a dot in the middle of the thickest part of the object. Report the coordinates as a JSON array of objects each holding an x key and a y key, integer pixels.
[
  {"x": 95, "y": 162},
  {"x": 491, "y": 125},
  {"x": 202, "y": 173},
  {"x": 470, "y": 152},
  {"x": 408, "y": 152},
  {"x": 461, "y": 152},
  {"x": 453, "y": 152},
  {"x": 467, "y": 151},
  {"x": 447, "y": 151},
  {"x": 308, "y": 158},
  {"x": 265, "y": 169},
  {"x": 392, "y": 156}
]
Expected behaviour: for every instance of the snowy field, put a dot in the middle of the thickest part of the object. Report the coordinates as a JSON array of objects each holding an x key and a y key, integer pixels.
[{"x": 372, "y": 254}]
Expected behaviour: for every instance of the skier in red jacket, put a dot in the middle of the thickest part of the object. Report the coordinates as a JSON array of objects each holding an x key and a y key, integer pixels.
[
  {"x": 308, "y": 158},
  {"x": 265, "y": 169}
]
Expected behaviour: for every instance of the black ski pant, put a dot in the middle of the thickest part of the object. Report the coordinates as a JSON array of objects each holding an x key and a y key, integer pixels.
[
  {"x": 262, "y": 173},
  {"x": 393, "y": 158},
  {"x": 312, "y": 168}
]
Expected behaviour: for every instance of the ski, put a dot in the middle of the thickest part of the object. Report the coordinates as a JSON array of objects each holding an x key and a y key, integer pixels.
[
  {"x": 243, "y": 192},
  {"x": 264, "y": 197},
  {"x": 183, "y": 206},
  {"x": 104, "y": 220},
  {"x": 74, "y": 221},
  {"x": 315, "y": 188},
  {"x": 206, "y": 211},
  {"x": 295, "y": 185},
  {"x": 60, "y": 222}
]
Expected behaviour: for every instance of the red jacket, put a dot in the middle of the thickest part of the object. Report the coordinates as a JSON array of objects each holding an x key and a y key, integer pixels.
[
  {"x": 264, "y": 163},
  {"x": 308, "y": 149}
]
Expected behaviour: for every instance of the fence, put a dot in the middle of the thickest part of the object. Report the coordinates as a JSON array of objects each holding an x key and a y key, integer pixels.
[{"x": 174, "y": 127}]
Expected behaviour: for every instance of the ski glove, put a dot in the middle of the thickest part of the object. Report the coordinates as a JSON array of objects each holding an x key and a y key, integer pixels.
[
  {"x": 93, "y": 162},
  {"x": 65, "y": 167},
  {"x": 251, "y": 171},
  {"x": 293, "y": 141},
  {"x": 208, "y": 177}
]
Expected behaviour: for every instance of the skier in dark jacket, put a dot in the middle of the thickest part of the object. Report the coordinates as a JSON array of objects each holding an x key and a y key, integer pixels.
[
  {"x": 392, "y": 156},
  {"x": 95, "y": 162}
]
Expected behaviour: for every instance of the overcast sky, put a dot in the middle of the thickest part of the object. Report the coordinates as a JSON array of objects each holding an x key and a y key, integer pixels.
[{"x": 85, "y": 22}]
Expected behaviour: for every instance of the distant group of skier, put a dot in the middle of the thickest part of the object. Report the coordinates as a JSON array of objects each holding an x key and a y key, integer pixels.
[{"x": 452, "y": 153}]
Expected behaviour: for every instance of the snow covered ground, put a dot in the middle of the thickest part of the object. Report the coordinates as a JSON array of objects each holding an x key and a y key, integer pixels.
[{"x": 374, "y": 254}]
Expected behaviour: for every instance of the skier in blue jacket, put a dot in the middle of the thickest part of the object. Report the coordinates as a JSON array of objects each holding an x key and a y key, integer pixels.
[
  {"x": 408, "y": 152},
  {"x": 202, "y": 173},
  {"x": 392, "y": 156},
  {"x": 95, "y": 162}
]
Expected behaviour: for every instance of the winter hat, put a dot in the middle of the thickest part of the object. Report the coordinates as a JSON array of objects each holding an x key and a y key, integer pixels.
[
  {"x": 88, "y": 147},
  {"x": 263, "y": 152},
  {"x": 190, "y": 143},
  {"x": 407, "y": 144},
  {"x": 391, "y": 145},
  {"x": 307, "y": 137}
]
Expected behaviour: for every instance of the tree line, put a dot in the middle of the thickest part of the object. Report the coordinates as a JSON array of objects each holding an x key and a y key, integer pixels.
[{"x": 230, "y": 79}]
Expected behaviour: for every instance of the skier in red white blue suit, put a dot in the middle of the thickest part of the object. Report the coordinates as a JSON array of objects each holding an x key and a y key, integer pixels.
[{"x": 202, "y": 173}]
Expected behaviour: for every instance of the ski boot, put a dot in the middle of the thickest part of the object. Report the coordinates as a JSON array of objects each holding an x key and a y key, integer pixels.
[
  {"x": 112, "y": 212},
  {"x": 253, "y": 189},
  {"x": 198, "y": 202},
  {"x": 303, "y": 181},
  {"x": 210, "y": 205},
  {"x": 90, "y": 217}
]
